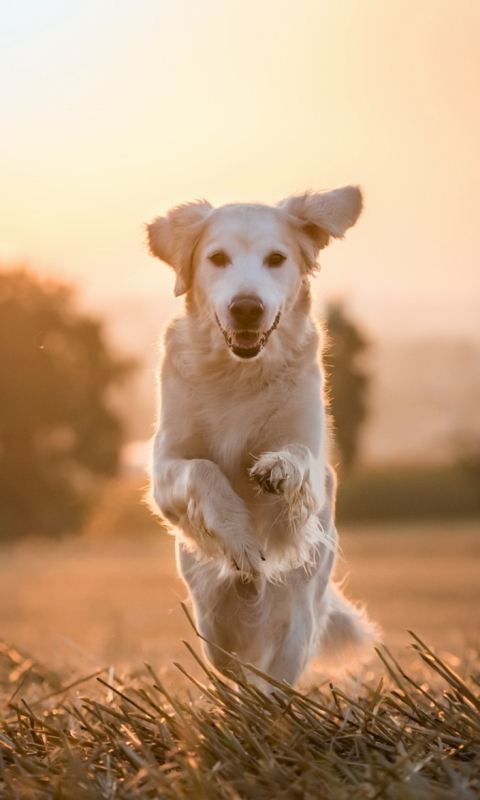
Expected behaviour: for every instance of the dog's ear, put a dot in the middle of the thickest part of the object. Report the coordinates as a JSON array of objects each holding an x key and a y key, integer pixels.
[
  {"x": 320, "y": 215},
  {"x": 173, "y": 239}
]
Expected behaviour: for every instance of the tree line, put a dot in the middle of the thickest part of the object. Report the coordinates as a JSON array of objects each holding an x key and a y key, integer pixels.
[{"x": 60, "y": 437}]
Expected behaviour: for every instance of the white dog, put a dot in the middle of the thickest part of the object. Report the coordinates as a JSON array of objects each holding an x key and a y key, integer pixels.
[{"x": 240, "y": 456}]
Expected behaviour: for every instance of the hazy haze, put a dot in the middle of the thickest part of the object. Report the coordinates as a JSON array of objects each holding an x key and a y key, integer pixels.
[{"x": 114, "y": 111}]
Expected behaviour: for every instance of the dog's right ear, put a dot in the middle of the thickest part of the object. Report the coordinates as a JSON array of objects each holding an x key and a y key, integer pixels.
[{"x": 173, "y": 239}]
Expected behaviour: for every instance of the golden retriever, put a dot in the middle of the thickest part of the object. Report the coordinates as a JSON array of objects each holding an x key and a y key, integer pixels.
[{"x": 240, "y": 455}]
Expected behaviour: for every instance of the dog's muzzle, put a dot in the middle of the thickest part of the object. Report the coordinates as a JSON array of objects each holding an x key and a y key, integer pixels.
[{"x": 248, "y": 351}]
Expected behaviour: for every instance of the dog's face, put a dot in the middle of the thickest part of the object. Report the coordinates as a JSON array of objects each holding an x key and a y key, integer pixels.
[
  {"x": 247, "y": 272},
  {"x": 245, "y": 263}
]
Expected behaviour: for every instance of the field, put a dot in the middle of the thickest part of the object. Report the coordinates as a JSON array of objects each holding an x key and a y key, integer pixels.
[
  {"x": 117, "y": 600},
  {"x": 89, "y": 604}
]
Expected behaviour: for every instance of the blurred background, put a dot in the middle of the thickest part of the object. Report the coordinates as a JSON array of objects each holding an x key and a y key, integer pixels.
[{"x": 113, "y": 112}]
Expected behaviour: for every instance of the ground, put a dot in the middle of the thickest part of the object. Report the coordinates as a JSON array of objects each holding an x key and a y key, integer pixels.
[
  {"x": 93, "y": 607},
  {"x": 90, "y": 601}
]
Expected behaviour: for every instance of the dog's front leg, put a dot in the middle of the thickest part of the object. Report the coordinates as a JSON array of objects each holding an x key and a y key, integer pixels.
[
  {"x": 294, "y": 473},
  {"x": 195, "y": 496}
]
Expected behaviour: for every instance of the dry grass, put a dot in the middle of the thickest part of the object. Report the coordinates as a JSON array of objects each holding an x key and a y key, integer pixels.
[
  {"x": 400, "y": 737},
  {"x": 92, "y": 608}
]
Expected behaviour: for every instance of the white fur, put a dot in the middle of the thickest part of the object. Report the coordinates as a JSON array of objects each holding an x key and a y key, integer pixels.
[{"x": 257, "y": 563}]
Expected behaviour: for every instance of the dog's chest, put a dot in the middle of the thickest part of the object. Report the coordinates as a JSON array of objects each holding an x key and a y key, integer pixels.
[{"x": 239, "y": 424}]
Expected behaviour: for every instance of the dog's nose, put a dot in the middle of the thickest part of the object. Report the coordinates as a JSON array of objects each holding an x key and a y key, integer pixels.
[{"x": 246, "y": 311}]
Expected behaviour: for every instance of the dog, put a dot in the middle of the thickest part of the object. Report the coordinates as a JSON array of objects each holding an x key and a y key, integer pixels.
[{"x": 240, "y": 456}]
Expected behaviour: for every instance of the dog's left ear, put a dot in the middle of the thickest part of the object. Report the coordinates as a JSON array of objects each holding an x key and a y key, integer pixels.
[
  {"x": 173, "y": 239},
  {"x": 320, "y": 215}
]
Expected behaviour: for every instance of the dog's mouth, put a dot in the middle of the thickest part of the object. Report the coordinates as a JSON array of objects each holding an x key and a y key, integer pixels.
[{"x": 247, "y": 344}]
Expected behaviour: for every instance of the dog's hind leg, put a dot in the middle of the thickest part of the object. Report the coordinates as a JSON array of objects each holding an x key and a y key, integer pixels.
[
  {"x": 343, "y": 632},
  {"x": 228, "y": 613},
  {"x": 291, "y": 656}
]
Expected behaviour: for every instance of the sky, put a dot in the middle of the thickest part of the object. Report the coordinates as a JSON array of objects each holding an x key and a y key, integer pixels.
[{"x": 112, "y": 112}]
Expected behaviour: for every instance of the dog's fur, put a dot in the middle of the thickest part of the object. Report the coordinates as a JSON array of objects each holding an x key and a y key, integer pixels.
[{"x": 240, "y": 455}]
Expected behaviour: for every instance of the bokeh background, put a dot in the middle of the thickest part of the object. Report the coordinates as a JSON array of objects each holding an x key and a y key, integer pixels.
[{"x": 113, "y": 112}]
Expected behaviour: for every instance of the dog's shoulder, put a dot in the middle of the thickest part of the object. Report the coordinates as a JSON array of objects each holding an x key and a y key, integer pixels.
[
  {"x": 174, "y": 346},
  {"x": 173, "y": 334}
]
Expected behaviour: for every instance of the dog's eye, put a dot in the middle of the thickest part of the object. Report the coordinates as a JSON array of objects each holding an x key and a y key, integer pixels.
[
  {"x": 275, "y": 259},
  {"x": 220, "y": 259}
]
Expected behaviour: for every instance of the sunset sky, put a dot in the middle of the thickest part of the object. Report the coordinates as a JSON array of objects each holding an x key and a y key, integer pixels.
[{"x": 114, "y": 111}]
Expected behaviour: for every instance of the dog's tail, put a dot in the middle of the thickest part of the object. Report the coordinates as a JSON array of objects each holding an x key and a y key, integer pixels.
[{"x": 347, "y": 634}]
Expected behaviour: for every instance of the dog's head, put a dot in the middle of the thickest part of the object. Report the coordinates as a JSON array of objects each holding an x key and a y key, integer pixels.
[{"x": 245, "y": 263}]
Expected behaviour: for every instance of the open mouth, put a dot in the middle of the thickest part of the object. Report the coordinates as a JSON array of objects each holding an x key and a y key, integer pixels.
[{"x": 247, "y": 344}]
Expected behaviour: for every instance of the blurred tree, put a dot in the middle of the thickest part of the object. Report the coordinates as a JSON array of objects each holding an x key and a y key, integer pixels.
[
  {"x": 58, "y": 435},
  {"x": 347, "y": 382}
]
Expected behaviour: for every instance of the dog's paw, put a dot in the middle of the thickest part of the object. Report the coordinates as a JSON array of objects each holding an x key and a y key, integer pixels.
[
  {"x": 225, "y": 535},
  {"x": 278, "y": 473},
  {"x": 246, "y": 558}
]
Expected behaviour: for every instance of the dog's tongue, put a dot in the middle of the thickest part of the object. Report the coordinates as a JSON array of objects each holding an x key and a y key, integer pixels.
[{"x": 246, "y": 340}]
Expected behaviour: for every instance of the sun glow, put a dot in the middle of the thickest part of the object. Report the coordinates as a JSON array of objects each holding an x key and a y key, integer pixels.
[{"x": 114, "y": 112}]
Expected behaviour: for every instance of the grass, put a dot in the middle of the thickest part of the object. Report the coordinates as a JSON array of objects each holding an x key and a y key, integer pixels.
[
  {"x": 94, "y": 609},
  {"x": 401, "y": 737}
]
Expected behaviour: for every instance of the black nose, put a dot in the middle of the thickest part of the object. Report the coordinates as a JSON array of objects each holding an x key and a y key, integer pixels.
[{"x": 246, "y": 311}]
